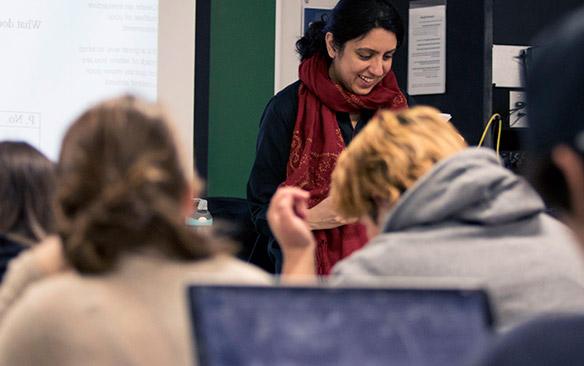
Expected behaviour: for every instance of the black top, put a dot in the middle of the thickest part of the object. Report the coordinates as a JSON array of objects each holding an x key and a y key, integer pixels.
[
  {"x": 9, "y": 249},
  {"x": 273, "y": 149}
]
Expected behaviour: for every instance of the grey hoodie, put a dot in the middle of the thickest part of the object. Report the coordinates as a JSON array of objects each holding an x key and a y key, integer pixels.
[{"x": 469, "y": 218}]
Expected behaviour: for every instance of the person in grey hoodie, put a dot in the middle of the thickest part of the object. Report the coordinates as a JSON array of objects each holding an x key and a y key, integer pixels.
[
  {"x": 437, "y": 209},
  {"x": 555, "y": 141}
]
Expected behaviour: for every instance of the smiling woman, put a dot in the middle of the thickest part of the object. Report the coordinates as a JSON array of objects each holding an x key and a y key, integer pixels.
[
  {"x": 345, "y": 77},
  {"x": 362, "y": 63}
]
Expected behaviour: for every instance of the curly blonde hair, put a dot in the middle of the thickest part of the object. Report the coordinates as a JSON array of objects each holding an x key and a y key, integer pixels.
[{"x": 391, "y": 153}]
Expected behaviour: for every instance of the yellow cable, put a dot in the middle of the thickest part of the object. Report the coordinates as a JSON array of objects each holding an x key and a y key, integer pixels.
[
  {"x": 488, "y": 126},
  {"x": 499, "y": 135}
]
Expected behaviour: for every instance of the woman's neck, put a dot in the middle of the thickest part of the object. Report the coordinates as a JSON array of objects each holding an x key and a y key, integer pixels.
[
  {"x": 354, "y": 119},
  {"x": 353, "y": 116}
]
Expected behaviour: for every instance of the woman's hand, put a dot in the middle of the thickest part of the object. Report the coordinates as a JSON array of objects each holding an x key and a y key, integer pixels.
[
  {"x": 323, "y": 216},
  {"x": 287, "y": 220}
]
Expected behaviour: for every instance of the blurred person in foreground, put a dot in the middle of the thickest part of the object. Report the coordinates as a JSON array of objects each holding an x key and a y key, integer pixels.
[
  {"x": 555, "y": 96},
  {"x": 114, "y": 293},
  {"x": 437, "y": 209}
]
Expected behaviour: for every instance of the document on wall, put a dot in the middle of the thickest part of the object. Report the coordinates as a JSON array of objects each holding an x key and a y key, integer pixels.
[
  {"x": 427, "y": 47},
  {"x": 507, "y": 63}
]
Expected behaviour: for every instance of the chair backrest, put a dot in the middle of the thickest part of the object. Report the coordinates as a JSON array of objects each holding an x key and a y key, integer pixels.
[{"x": 236, "y": 325}]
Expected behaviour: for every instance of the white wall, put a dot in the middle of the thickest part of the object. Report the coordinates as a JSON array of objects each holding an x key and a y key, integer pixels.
[
  {"x": 289, "y": 28},
  {"x": 176, "y": 67}
]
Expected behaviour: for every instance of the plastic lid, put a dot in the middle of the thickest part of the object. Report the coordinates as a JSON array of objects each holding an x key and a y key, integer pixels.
[{"x": 202, "y": 206}]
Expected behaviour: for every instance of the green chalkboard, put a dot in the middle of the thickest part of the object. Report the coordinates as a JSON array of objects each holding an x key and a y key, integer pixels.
[{"x": 240, "y": 84}]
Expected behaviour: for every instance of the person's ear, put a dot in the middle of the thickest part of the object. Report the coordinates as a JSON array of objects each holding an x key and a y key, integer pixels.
[
  {"x": 570, "y": 163},
  {"x": 330, "y": 45}
]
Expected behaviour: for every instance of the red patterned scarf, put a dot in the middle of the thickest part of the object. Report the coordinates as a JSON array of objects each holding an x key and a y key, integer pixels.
[{"x": 317, "y": 143}]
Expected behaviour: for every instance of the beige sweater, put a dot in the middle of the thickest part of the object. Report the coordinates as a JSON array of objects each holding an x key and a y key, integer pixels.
[{"x": 136, "y": 315}]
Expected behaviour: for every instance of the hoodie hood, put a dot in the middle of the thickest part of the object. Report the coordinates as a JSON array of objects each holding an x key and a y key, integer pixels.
[{"x": 470, "y": 186}]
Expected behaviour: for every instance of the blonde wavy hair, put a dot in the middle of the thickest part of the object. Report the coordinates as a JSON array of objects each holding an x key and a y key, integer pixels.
[{"x": 391, "y": 153}]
